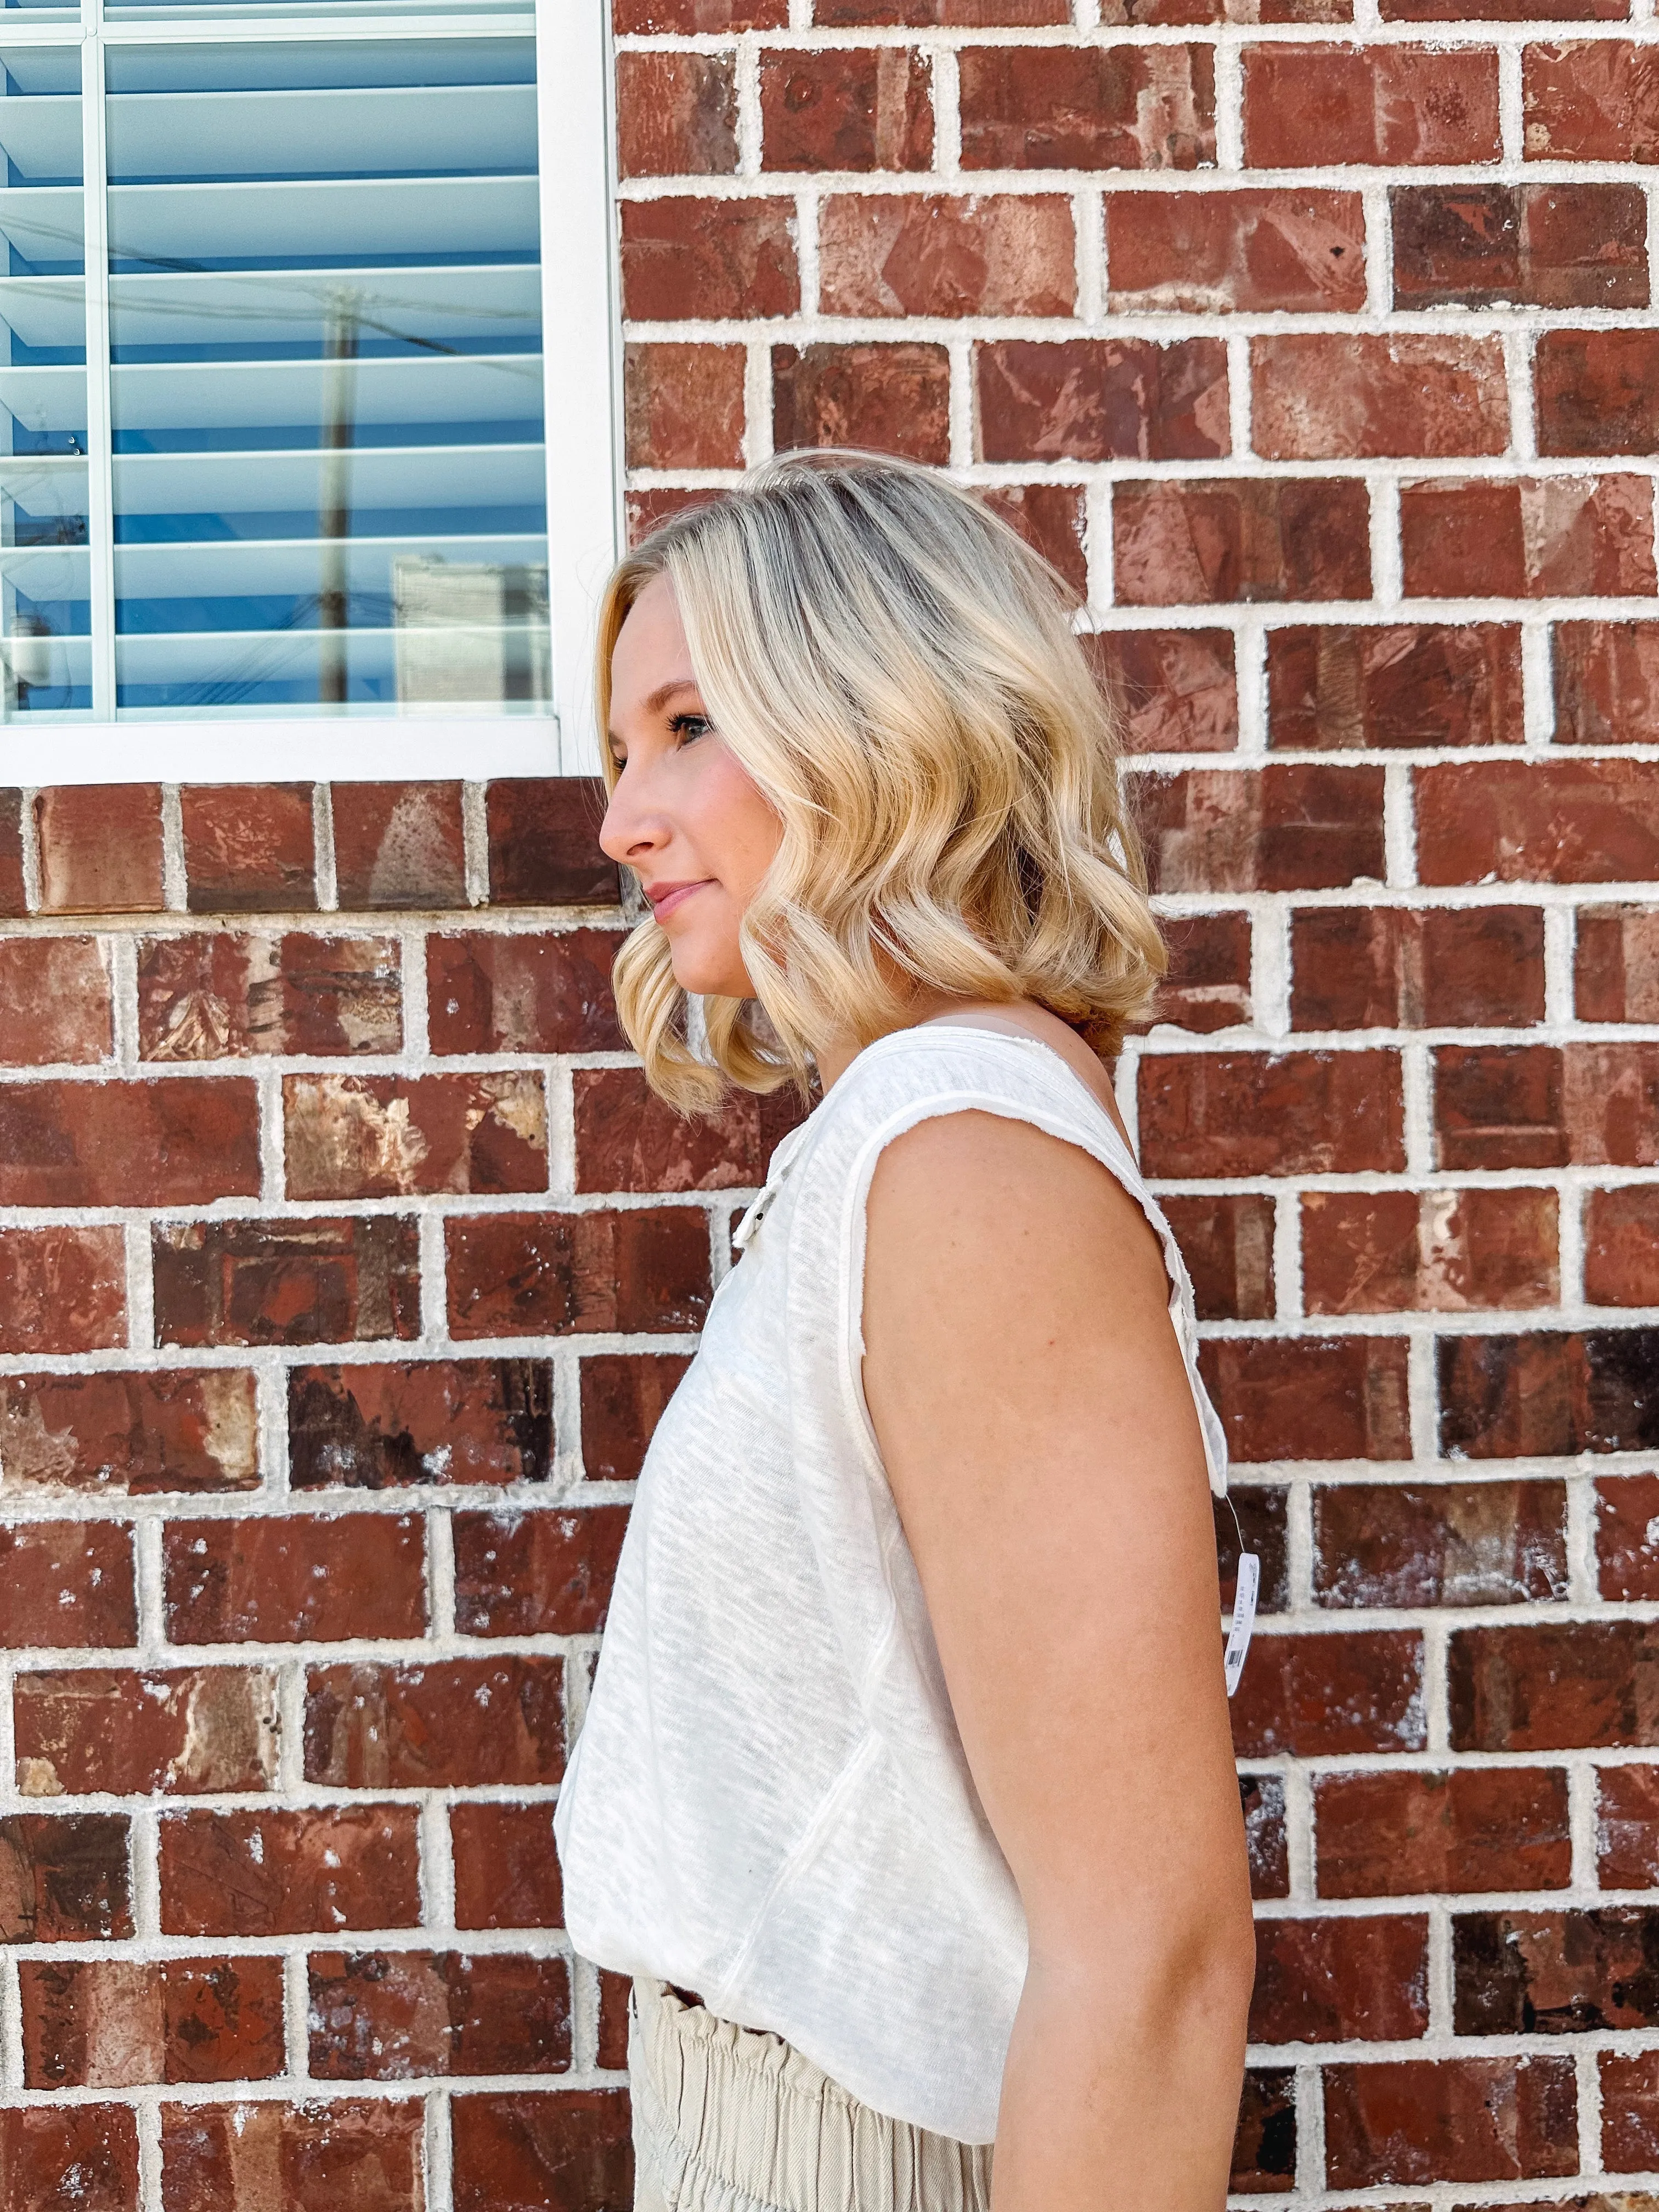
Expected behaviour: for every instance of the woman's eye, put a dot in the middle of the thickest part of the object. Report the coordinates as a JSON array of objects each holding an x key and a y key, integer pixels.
[{"x": 688, "y": 727}]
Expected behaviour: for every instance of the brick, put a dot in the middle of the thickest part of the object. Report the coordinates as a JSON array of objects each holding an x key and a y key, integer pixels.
[
  {"x": 1500, "y": 11},
  {"x": 1554, "y": 1686},
  {"x": 885, "y": 399},
  {"x": 101, "y": 848},
  {"x": 54, "y": 1001},
  {"x": 1554, "y": 1973},
  {"x": 1099, "y": 399},
  {"x": 454, "y": 1723},
  {"x": 1573, "y": 821},
  {"x": 399, "y": 845},
  {"x": 622, "y": 1397},
  {"x": 1591, "y": 1104},
  {"x": 1207, "y": 986},
  {"x": 1219, "y": 252},
  {"x": 322, "y": 2156},
  {"x": 615, "y": 1991},
  {"x": 1470, "y": 1829},
  {"x": 1087, "y": 108},
  {"x": 1336, "y": 687},
  {"x": 684, "y": 405},
  {"x": 385, "y": 2015},
  {"x": 677, "y": 115},
  {"x": 288, "y": 1870},
  {"x": 1537, "y": 537},
  {"x": 1264, "y": 2147},
  {"x": 84, "y": 2155},
  {"x": 191, "y": 1730},
  {"x": 1616, "y": 964},
  {"x": 937, "y": 253},
  {"x": 1591, "y": 101},
  {"x": 64, "y": 1878},
  {"x": 1413, "y": 2121},
  {"x": 567, "y": 2152},
  {"x": 536, "y": 1574},
  {"x": 1538, "y": 246},
  {"x": 524, "y": 993},
  {"x": 1292, "y": 1398},
  {"x": 299, "y": 1577},
  {"x": 1621, "y": 1247},
  {"x": 1510, "y": 1396},
  {"x": 140, "y": 1433},
  {"x": 248, "y": 847},
  {"x": 1627, "y": 1828},
  {"x": 166, "y": 1143},
  {"x": 849, "y": 108},
  {"x": 686, "y": 258},
  {"x": 1607, "y": 682},
  {"x": 626, "y": 1138},
  {"x": 419, "y": 1421},
  {"x": 506, "y": 1870},
  {"x": 1292, "y": 826},
  {"x": 562, "y": 1273},
  {"x": 119, "y": 2023},
  {"x": 1227, "y": 1242},
  {"x": 1439, "y": 1544},
  {"x": 1263, "y": 1518},
  {"x": 1627, "y": 1551},
  {"x": 1051, "y": 518},
  {"x": 1248, "y": 1113},
  {"x": 1356, "y": 968},
  {"x": 1597, "y": 391},
  {"x": 543, "y": 831},
  {"x": 1261, "y": 1797},
  {"x": 1438, "y": 1251},
  {"x": 1630, "y": 2110},
  {"x": 62, "y": 1289},
  {"x": 1313, "y": 107},
  {"x": 67, "y": 1583},
  {"x": 13, "y": 900},
  {"x": 973, "y": 15},
  {"x": 225, "y": 996},
  {"x": 1342, "y": 1981},
  {"x": 389, "y": 1136},
  {"x": 647, "y": 507},
  {"x": 1259, "y": 540},
  {"x": 1176, "y": 690},
  {"x": 633, "y": 17},
  {"x": 1342, "y": 397},
  {"x": 286, "y": 1282},
  {"x": 1321, "y": 1695}
]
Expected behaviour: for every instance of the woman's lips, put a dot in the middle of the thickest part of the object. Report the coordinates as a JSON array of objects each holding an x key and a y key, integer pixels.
[{"x": 667, "y": 897}]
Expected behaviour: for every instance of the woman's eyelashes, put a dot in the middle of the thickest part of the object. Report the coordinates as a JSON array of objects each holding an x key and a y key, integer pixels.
[{"x": 687, "y": 727}]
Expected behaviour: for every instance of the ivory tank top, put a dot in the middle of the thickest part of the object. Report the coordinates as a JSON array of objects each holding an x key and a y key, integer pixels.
[{"x": 770, "y": 1802}]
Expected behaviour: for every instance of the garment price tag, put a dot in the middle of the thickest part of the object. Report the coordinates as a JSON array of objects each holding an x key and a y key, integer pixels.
[{"x": 1238, "y": 1636}]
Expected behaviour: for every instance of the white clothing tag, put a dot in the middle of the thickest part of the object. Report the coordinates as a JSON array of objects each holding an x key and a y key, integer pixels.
[{"x": 1238, "y": 1636}]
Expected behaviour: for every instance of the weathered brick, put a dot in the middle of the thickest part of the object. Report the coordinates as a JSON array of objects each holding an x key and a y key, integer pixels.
[
  {"x": 1334, "y": 687},
  {"x": 173, "y": 1142},
  {"x": 1469, "y": 1829},
  {"x": 1207, "y": 986},
  {"x": 685, "y": 257},
  {"x": 1264, "y": 2147},
  {"x": 1096, "y": 399},
  {"x": 419, "y": 1421},
  {"x": 1540, "y": 245},
  {"x": 1176, "y": 690},
  {"x": 1087, "y": 108},
  {"x": 506, "y": 1870},
  {"x": 1305, "y": 1397},
  {"x": 1227, "y": 1242},
  {"x": 677, "y": 114},
  {"x": 615, "y": 1991},
  {"x": 191, "y": 1730},
  {"x": 325, "y": 2155},
  {"x": 889, "y": 253},
  {"x": 1627, "y": 1828},
  {"x": 1437, "y": 1251},
  {"x": 1259, "y": 1513},
  {"x": 543, "y": 831},
  {"x": 1292, "y": 826},
  {"x": 453, "y": 1723},
  {"x": 622, "y": 1397},
  {"x": 1333, "y": 396},
  {"x": 389, "y": 1136},
  {"x": 1358, "y": 968},
  {"x": 1214, "y": 253},
  {"x": 249, "y": 847},
  {"x": 1051, "y": 518},
  {"x": 683, "y": 406},
  {"x": 1596, "y": 391},
  {"x": 287, "y": 1871},
  {"x": 1591, "y": 99},
  {"x": 1607, "y": 682},
  {"x": 101, "y": 848},
  {"x": 85, "y": 2155},
  {"x": 64, "y": 1878},
  {"x": 523, "y": 993},
  {"x": 1249, "y": 1113},
  {"x": 626, "y": 1138},
  {"x": 1549, "y": 1393},
  {"x": 398, "y": 845},
  {"x": 13, "y": 899},
  {"x": 1531, "y": 537},
  {"x": 886, "y": 399},
  {"x": 222, "y": 995},
  {"x": 1439, "y": 1544},
  {"x": 569, "y": 2149},
  {"x": 67, "y": 1583},
  {"x": 1413, "y": 2121},
  {"x": 119, "y": 2023},
  {"x": 847, "y": 108},
  {"x": 1572, "y": 821},
  {"x": 286, "y": 1282},
  {"x": 563, "y": 1273},
  {"x": 1627, "y": 1537},
  {"x": 61, "y": 1289},
  {"x": 135, "y": 1432},
  {"x": 1554, "y": 1686},
  {"x": 1616, "y": 964},
  {"x": 631, "y": 17},
  {"x": 1630, "y": 2110},
  {"x": 1621, "y": 1247},
  {"x": 1342, "y": 1981},
  {"x": 299, "y": 1577},
  {"x": 1321, "y": 1695},
  {"x": 1590, "y": 1104},
  {"x": 386, "y": 2015},
  {"x": 1262, "y": 1798},
  {"x": 54, "y": 1001},
  {"x": 1308, "y": 107},
  {"x": 539, "y": 1573},
  {"x": 1251, "y": 540},
  {"x": 1554, "y": 1973},
  {"x": 972, "y": 15}
]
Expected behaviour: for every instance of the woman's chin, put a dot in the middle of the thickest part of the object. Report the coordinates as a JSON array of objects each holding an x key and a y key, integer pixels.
[{"x": 709, "y": 979}]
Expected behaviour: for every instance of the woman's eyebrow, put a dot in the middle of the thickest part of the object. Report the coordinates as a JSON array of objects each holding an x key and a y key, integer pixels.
[{"x": 665, "y": 692}]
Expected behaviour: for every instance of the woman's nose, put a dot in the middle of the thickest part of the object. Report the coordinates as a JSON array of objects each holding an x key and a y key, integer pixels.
[{"x": 628, "y": 830}]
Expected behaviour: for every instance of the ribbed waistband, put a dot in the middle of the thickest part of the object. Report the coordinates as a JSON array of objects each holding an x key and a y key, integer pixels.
[{"x": 738, "y": 2120}]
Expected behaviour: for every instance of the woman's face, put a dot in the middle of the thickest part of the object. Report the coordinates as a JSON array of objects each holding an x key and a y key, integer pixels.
[{"x": 684, "y": 814}]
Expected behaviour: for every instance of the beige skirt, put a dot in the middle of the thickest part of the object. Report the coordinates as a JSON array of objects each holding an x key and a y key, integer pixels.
[{"x": 729, "y": 2119}]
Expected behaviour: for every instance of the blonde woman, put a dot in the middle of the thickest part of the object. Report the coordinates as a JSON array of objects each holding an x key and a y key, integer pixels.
[{"x": 905, "y": 1792}]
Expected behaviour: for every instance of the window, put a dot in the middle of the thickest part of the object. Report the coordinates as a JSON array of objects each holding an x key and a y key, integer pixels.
[{"x": 280, "y": 441}]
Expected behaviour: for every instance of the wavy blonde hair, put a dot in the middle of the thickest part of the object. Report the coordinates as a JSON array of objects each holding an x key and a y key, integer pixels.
[{"x": 897, "y": 669}]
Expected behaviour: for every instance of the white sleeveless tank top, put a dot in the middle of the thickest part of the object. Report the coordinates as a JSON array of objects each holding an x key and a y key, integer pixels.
[{"x": 770, "y": 1802}]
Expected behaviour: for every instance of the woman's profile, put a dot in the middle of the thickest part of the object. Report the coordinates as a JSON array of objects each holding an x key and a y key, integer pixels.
[{"x": 905, "y": 1791}]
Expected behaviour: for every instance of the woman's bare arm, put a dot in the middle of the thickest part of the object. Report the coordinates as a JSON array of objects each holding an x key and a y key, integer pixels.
[{"x": 1035, "y": 1417}]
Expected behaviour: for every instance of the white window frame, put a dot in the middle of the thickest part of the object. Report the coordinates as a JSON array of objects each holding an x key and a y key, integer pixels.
[{"x": 582, "y": 357}]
